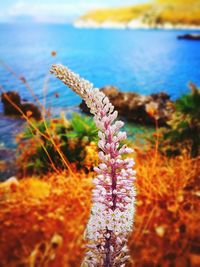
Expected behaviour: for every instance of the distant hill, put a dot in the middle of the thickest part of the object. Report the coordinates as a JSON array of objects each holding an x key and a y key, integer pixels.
[
  {"x": 179, "y": 11},
  {"x": 122, "y": 14},
  {"x": 159, "y": 13}
]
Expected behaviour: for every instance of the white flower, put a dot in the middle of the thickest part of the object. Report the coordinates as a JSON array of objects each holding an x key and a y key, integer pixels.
[{"x": 113, "y": 196}]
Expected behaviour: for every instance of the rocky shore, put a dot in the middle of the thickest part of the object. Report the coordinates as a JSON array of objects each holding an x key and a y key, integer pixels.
[
  {"x": 158, "y": 14},
  {"x": 189, "y": 36},
  {"x": 139, "y": 108},
  {"x": 14, "y": 106},
  {"x": 133, "y": 24},
  {"x": 142, "y": 109}
]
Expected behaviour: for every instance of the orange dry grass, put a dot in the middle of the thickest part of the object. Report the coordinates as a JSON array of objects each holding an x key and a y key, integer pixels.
[
  {"x": 42, "y": 222},
  {"x": 167, "y": 215}
]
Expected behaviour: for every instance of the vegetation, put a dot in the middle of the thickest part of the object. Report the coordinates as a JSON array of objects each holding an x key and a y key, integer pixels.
[
  {"x": 184, "y": 131},
  {"x": 46, "y": 217},
  {"x": 39, "y": 153},
  {"x": 152, "y": 13},
  {"x": 42, "y": 221},
  {"x": 44, "y": 214}
]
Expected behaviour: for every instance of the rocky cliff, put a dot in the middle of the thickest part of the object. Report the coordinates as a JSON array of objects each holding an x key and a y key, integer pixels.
[{"x": 157, "y": 14}]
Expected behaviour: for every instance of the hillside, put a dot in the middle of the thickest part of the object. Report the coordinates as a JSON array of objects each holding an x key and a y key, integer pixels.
[
  {"x": 123, "y": 14},
  {"x": 160, "y": 13},
  {"x": 179, "y": 11}
]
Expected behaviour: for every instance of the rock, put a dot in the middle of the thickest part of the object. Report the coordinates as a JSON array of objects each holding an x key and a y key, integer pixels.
[
  {"x": 9, "y": 108},
  {"x": 189, "y": 36},
  {"x": 11, "y": 180},
  {"x": 10, "y": 184},
  {"x": 160, "y": 230},
  {"x": 11, "y": 100},
  {"x": 84, "y": 107},
  {"x": 138, "y": 108},
  {"x": 31, "y": 110},
  {"x": 110, "y": 90}
]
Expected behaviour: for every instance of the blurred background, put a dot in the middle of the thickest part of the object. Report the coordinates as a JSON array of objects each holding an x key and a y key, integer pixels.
[{"x": 145, "y": 55}]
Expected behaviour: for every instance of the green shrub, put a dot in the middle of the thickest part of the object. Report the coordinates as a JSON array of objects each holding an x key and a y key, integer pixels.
[
  {"x": 42, "y": 145},
  {"x": 184, "y": 131}
]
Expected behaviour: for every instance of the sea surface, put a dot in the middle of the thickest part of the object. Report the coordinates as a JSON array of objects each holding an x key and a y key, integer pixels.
[{"x": 143, "y": 61}]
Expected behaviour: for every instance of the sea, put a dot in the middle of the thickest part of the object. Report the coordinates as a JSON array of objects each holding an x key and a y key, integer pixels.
[{"x": 142, "y": 61}]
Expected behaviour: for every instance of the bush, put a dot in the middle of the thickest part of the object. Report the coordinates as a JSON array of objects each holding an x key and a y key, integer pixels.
[
  {"x": 184, "y": 131},
  {"x": 50, "y": 145}
]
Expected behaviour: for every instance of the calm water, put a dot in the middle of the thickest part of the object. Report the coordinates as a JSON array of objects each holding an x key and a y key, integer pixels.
[{"x": 134, "y": 60}]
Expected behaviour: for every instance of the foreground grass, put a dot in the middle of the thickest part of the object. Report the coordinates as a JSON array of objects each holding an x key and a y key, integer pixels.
[{"x": 42, "y": 221}]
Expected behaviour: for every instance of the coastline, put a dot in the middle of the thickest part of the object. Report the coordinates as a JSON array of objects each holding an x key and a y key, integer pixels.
[{"x": 133, "y": 24}]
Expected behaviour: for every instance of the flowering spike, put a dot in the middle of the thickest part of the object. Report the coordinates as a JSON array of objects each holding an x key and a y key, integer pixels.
[{"x": 112, "y": 212}]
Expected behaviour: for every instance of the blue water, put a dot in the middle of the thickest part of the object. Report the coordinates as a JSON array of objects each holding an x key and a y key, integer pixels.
[{"x": 134, "y": 60}]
